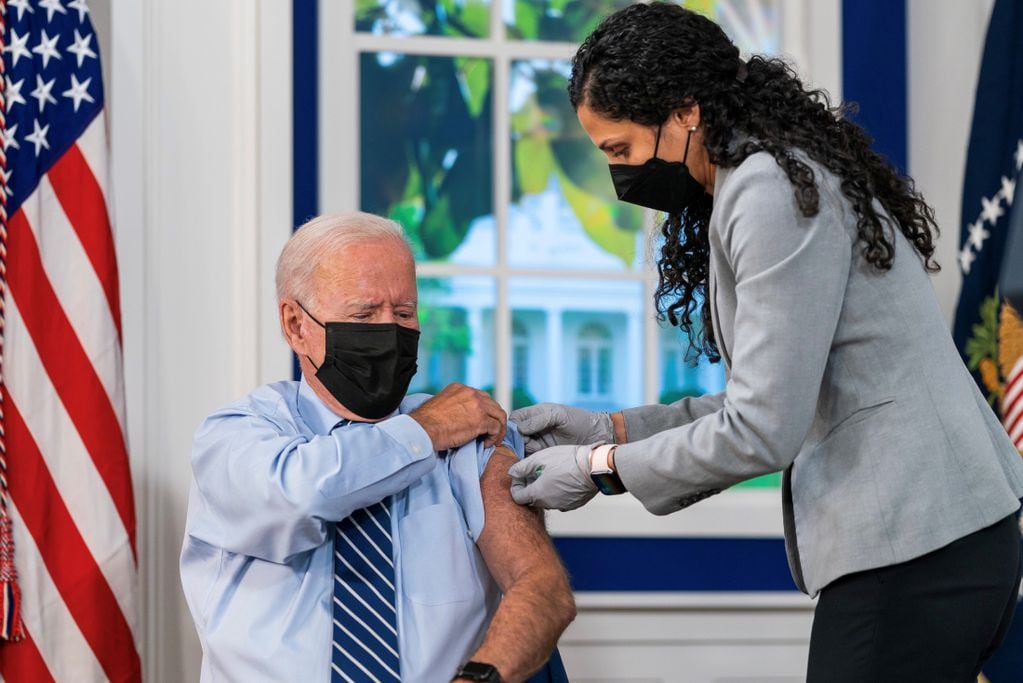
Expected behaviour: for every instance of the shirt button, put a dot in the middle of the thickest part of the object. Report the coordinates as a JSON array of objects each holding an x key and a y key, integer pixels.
[{"x": 415, "y": 448}]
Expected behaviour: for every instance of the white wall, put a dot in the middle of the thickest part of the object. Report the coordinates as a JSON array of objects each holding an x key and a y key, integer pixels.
[
  {"x": 199, "y": 101},
  {"x": 199, "y": 97},
  {"x": 945, "y": 41}
]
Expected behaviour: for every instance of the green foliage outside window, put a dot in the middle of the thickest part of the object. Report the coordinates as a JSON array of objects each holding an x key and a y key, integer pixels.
[
  {"x": 442, "y": 328},
  {"x": 562, "y": 20},
  {"x": 548, "y": 142},
  {"x": 426, "y": 145},
  {"x": 453, "y": 18},
  {"x": 427, "y": 151}
]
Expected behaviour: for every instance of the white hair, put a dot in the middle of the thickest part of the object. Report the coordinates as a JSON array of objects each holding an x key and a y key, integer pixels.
[{"x": 322, "y": 237}]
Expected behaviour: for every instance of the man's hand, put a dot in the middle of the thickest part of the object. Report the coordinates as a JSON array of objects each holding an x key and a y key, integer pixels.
[
  {"x": 459, "y": 414},
  {"x": 549, "y": 424},
  {"x": 554, "y": 478}
]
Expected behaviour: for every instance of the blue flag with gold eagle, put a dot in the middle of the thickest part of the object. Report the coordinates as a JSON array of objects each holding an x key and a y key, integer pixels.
[{"x": 989, "y": 331}]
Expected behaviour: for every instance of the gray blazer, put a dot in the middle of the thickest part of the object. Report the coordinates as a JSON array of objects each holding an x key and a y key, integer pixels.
[{"x": 841, "y": 375}]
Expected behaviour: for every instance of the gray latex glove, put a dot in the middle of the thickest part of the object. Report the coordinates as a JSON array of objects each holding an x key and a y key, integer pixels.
[
  {"x": 555, "y": 478},
  {"x": 550, "y": 424}
]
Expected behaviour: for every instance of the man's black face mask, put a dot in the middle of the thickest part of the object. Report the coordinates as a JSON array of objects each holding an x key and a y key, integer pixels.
[
  {"x": 658, "y": 184},
  {"x": 367, "y": 367}
]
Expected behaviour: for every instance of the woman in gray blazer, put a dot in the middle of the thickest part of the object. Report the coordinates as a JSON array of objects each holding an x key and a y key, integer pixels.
[{"x": 799, "y": 257}]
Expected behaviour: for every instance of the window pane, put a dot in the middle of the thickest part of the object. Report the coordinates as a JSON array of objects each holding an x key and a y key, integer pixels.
[
  {"x": 520, "y": 361},
  {"x": 529, "y": 331},
  {"x": 565, "y": 20},
  {"x": 754, "y": 25},
  {"x": 520, "y": 366},
  {"x": 681, "y": 377},
  {"x": 583, "y": 367},
  {"x": 604, "y": 370},
  {"x": 456, "y": 318},
  {"x": 426, "y": 158},
  {"x": 568, "y": 361},
  {"x": 564, "y": 211},
  {"x": 456, "y": 18}
]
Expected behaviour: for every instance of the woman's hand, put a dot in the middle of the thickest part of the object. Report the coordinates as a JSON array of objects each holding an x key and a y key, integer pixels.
[
  {"x": 549, "y": 424},
  {"x": 555, "y": 478}
]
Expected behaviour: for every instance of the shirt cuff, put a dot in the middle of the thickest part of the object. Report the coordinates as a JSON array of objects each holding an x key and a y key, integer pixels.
[{"x": 409, "y": 434}]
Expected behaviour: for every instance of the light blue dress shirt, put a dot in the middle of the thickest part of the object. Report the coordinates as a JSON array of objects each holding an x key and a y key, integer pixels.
[{"x": 270, "y": 476}]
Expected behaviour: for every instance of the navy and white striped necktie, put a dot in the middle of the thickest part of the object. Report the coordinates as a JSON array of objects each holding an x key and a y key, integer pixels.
[{"x": 365, "y": 644}]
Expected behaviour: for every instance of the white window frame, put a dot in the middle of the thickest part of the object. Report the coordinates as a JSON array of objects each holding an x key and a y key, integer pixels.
[
  {"x": 595, "y": 345},
  {"x": 804, "y": 23},
  {"x": 811, "y": 40}
]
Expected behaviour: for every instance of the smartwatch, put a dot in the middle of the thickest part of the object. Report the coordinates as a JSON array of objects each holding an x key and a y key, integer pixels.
[
  {"x": 478, "y": 671},
  {"x": 607, "y": 480}
]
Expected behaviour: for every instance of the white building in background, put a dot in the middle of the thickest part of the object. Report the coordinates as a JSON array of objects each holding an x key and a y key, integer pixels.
[{"x": 577, "y": 338}]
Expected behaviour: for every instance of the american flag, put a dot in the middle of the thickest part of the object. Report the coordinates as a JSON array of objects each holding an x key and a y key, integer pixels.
[
  {"x": 70, "y": 498},
  {"x": 988, "y": 330}
]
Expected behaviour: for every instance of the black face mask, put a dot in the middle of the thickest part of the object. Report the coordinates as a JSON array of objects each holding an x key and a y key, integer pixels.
[
  {"x": 367, "y": 367},
  {"x": 658, "y": 184}
]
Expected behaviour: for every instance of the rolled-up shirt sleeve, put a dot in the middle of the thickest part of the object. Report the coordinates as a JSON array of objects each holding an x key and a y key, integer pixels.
[{"x": 263, "y": 490}]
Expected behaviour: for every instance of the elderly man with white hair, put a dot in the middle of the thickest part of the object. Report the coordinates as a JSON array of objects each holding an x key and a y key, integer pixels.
[{"x": 339, "y": 528}]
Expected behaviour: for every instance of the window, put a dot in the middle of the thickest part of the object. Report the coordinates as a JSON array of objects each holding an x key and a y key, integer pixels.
[
  {"x": 520, "y": 355},
  {"x": 456, "y": 323},
  {"x": 681, "y": 376},
  {"x": 593, "y": 349},
  {"x": 451, "y": 117}
]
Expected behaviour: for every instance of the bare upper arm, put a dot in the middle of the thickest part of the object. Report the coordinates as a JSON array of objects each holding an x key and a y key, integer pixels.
[{"x": 514, "y": 541}]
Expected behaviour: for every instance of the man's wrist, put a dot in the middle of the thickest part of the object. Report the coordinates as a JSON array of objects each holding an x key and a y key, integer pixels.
[
  {"x": 433, "y": 428},
  {"x": 478, "y": 671}
]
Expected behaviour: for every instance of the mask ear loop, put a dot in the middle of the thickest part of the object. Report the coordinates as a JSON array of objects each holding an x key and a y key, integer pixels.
[
  {"x": 304, "y": 310},
  {"x": 315, "y": 366},
  {"x": 685, "y": 154},
  {"x": 657, "y": 140}
]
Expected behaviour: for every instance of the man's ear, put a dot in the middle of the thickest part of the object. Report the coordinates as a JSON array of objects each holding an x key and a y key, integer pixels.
[{"x": 291, "y": 326}]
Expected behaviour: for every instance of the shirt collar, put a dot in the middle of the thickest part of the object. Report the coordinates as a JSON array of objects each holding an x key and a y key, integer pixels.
[
  {"x": 316, "y": 414},
  {"x": 318, "y": 417}
]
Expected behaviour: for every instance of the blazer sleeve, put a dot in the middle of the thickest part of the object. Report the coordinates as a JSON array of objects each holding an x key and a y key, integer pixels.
[
  {"x": 645, "y": 421},
  {"x": 790, "y": 275}
]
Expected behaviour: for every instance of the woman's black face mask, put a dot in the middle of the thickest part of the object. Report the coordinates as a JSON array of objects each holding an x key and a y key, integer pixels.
[
  {"x": 368, "y": 367},
  {"x": 658, "y": 184}
]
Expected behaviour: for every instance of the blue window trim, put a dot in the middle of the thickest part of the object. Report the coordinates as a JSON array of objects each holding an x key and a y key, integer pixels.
[
  {"x": 305, "y": 102},
  {"x": 305, "y": 180},
  {"x": 618, "y": 564},
  {"x": 874, "y": 72}
]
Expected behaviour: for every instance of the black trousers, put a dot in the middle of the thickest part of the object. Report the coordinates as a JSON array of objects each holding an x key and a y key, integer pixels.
[{"x": 932, "y": 619}]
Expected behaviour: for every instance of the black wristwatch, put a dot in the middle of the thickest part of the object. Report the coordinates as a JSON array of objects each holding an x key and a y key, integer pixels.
[{"x": 478, "y": 671}]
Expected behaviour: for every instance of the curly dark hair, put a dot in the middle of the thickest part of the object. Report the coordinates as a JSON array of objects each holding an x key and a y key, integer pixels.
[{"x": 646, "y": 61}]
